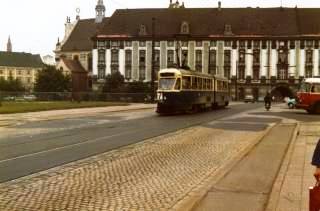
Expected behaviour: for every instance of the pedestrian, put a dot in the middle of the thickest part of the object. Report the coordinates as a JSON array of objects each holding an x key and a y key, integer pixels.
[
  {"x": 316, "y": 161},
  {"x": 267, "y": 99}
]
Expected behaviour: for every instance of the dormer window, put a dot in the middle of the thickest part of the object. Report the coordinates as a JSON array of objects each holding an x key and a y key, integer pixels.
[
  {"x": 185, "y": 28},
  {"x": 143, "y": 30},
  {"x": 228, "y": 30}
]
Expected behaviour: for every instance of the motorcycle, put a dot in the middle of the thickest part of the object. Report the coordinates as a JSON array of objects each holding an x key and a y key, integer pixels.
[{"x": 267, "y": 106}]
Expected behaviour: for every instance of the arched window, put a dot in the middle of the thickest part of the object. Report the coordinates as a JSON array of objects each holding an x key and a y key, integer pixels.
[
  {"x": 142, "y": 30},
  {"x": 185, "y": 28}
]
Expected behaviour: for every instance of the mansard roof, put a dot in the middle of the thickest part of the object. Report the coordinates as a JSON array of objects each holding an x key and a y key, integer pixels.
[
  {"x": 211, "y": 22},
  {"x": 20, "y": 59},
  {"x": 80, "y": 37}
]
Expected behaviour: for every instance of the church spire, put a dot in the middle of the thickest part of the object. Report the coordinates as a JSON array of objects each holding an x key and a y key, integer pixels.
[
  {"x": 9, "y": 45},
  {"x": 100, "y": 11}
]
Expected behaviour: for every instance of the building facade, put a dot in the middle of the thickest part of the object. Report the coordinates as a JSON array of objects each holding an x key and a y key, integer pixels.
[
  {"x": 258, "y": 49},
  {"x": 22, "y": 66},
  {"x": 77, "y": 44}
]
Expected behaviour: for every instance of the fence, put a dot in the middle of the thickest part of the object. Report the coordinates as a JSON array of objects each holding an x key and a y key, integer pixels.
[{"x": 75, "y": 96}]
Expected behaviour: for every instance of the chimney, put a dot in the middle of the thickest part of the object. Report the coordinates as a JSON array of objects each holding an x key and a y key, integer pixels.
[{"x": 219, "y": 5}]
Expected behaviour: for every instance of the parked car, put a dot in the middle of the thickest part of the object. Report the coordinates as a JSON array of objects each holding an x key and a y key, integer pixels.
[
  {"x": 249, "y": 98},
  {"x": 291, "y": 102},
  {"x": 9, "y": 98},
  {"x": 29, "y": 97}
]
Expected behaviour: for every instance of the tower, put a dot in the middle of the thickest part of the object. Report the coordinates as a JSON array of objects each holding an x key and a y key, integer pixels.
[
  {"x": 9, "y": 45},
  {"x": 100, "y": 11}
]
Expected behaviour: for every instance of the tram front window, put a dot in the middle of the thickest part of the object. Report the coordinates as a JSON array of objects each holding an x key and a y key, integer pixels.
[
  {"x": 166, "y": 83},
  {"x": 305, "y": 87}
]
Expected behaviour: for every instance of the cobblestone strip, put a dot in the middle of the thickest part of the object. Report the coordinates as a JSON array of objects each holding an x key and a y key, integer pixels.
[{"x": 151, "y": 175}]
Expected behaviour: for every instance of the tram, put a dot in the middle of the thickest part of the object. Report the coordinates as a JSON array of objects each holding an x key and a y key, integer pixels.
[{"x": 182, "y": 90}]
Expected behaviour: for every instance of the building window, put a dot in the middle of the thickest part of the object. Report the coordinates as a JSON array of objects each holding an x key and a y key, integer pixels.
[
  {"x": 242, "y": 57},
  {"x": 142, "y": 65},
  {"x": 83, "y": 56},
  {"x": 256, "y": 44},
  {"x": 309, "y": 43},
  {"x": 114, "y": 61},
  {"x": 19, "y": 72},
  {"x": 170, "y": 43},
  {"x": 128, "y": 64},
  {"x": 115, "y": 44},
  {"x": 256, "y": 73},
  {"x": 1, "y": 72},
  {"x": 157, "y": 44},
  {"x": 170, "y": 58},
  {"x": 242, "y": 44},
  {"x": 28, "y": 72},
  {"x": 212, "y": 62},
  {"x": 101, "y": 44},
  {"x": 213, "y": 43},
  {"x": 184, "y": 43},
  {"x": 199, "y": 60},
  {"x": 28, "y": 80},
  {"x": 256, "y": 57},
  {"x": 142, "y": 43},
  {"x": 156, "y": 62},
  {"x": 283, "y": 74},
  {"x": 242, "y": 73},
  {"x": 128, "y": 43},
  {"x": 309, "y": 71},
  {"x": 309, "y": 56},
  {"x": 184, "y": 28},
  {"x": 227, "y": 63},
  {"x": 283, "y": 57},
  {"x": 227, "y": 43},
  {"x": 143, "y": 30},
  {"x": 199, "y": 43},
  {"x": 184, "y": 58}
]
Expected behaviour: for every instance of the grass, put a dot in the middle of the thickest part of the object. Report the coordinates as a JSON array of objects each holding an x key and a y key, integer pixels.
[{"x": 21, "y": 107}]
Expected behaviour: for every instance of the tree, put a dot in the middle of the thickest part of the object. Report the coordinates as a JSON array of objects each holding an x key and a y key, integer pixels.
[
  {"x": 52, "y": 80},
  {"x": 114, "y": 82},
  {"x": 11, "y": 85}
]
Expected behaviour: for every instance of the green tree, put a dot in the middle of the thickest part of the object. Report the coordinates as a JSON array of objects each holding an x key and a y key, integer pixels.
[
  {"x": 52, "y": 80},
  {"x": 114, "y": 82},
  {"x": 11, "y": 85}
]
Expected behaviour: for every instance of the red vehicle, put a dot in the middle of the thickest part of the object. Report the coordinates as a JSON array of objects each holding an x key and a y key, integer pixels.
[{"x": 309, "y": 95}]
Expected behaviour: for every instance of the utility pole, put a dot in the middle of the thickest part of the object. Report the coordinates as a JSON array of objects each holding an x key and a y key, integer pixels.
[{"x": 152, "y": 63}]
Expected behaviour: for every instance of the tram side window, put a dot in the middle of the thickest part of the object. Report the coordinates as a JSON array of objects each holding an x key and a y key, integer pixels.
[
  {"x": 225, "y": 85},
  {"x": 194, "y": 83},
  {"x": 186, "y": 83},
  {"x": 178, "y": 84}
]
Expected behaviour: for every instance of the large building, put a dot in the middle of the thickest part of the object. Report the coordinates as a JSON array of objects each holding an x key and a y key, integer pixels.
[
  {"x": 77, "y": 43},
  {"x": 19, "y": 65},
  {"x": 258, "y": 49}
]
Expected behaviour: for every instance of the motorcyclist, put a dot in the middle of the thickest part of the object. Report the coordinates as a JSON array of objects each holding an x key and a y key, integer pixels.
[{"x": 267, "y": 99}]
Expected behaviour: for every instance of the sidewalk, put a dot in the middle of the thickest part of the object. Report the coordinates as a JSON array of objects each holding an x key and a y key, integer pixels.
[
  {"x": 9, "y": 119},
  {"x": 291, "y": 188}
]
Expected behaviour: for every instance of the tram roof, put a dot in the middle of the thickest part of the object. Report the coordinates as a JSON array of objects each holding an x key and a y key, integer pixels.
[
  {"x": 189, "y": 72},
  {"x": 312, "y": 80}
]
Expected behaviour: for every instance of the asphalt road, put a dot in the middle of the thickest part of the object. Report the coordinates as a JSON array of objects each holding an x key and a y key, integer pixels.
[{"x": 47, "y": 144}]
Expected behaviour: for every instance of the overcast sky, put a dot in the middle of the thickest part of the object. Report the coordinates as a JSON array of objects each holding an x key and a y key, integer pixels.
[{"x": 35, "y": 25}]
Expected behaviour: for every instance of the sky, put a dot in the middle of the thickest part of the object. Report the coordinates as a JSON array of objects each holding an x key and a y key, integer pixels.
[{"x": 35, "y": 25}]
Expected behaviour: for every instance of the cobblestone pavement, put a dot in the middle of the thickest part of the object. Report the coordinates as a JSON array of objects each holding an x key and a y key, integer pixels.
[{"x": 152, "y": 175}]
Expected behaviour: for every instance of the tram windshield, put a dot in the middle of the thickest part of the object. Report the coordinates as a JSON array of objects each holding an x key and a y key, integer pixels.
[{"x": 166, "y": 83}]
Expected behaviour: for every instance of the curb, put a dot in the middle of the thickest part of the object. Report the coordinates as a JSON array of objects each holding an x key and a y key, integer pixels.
[
  {"x": 192, "y": 200},
  {"x": 281, "y": 175}
]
